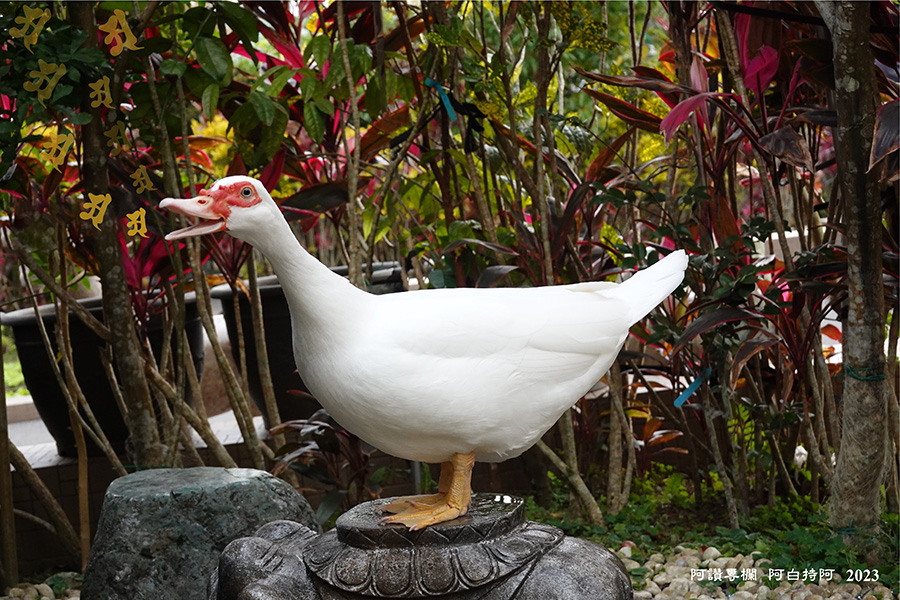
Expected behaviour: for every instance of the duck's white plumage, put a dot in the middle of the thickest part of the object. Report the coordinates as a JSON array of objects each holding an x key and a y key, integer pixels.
[
  {"x": 430, "y": 374},
  {"x": 425, "y": 375}
]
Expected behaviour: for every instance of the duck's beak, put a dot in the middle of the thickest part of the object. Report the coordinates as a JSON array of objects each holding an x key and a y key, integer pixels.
[{"x": 200, "y": 207}]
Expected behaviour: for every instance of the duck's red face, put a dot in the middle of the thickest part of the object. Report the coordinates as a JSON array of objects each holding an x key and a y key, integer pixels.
[{"x": 214, "y": 206}]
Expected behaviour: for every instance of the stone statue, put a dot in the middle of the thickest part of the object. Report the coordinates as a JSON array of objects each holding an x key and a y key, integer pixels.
[{"x": 490, "y": 553}]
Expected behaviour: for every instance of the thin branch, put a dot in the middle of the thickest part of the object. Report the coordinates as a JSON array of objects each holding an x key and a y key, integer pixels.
[{"x": 354, "y": 264}]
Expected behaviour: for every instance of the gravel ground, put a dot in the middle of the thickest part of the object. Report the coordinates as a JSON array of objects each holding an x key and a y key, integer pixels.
[
  {"x": 44, "y": 591},
  {"x": 684, "y": 575},
  {"x": 687, "y": 574}
]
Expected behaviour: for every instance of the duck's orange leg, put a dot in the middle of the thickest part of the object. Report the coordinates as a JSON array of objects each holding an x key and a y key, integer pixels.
[
  {"x": 444, "y": 506},
  {"x": 404, "y": 503}
]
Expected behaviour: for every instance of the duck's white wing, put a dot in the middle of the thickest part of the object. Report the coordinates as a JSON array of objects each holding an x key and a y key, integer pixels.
[
  {"x": 477, "y": 344},
  {"x": 554, "y": 324}
]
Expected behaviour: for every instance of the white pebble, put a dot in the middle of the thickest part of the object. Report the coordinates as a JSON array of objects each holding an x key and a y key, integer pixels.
[
  {"x": 652, "y": 566},
  {"x": 45, "y": 591},
  {"x": 652, "y": 587},
  {"x": 679, "y": 587},
  {"x": 850, "y": 588},
  {"x": 711, "y": 553},
  {"x": 749, "y": 587}
]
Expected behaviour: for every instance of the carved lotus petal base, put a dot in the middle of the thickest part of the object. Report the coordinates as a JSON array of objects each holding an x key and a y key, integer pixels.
[{"x": 491, "y": 552}]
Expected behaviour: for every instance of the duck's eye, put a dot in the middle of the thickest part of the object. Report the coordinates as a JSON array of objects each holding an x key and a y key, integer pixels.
[{"x": 246, "y": 192}]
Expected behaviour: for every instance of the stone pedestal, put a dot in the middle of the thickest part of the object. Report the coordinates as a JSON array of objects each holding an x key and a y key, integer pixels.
[
  {"x": 161, "y": 531},
  {"x": 490, "y": 553}
]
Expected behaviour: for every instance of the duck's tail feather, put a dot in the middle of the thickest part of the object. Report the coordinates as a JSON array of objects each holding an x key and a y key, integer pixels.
[{"x": 647, "y": 288}]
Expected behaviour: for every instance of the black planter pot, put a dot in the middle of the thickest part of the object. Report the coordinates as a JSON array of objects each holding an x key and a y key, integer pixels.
[
  {"x": 49, "y": 400},
  {"x": 386, "y": 279}
]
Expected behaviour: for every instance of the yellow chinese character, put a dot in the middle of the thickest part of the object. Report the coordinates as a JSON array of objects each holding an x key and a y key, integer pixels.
[
  {"x": 100, "y": 94},
  {"x": 117, "y": 140},
  {"x": 115, "y": 28},
  {"x": 95, "y": 208},
  {"x": 50, "y": 74},
  {"x": 137, "y": 223},
  {"x": 142, "y": 180},
  {"x": 57, "y": 149},
  {"x": 34, "y": 18}
]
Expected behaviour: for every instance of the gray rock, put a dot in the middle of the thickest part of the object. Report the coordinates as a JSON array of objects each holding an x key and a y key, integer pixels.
[
  {"x": 161, "y": 531},
  {"x": 492, "y": 552}
]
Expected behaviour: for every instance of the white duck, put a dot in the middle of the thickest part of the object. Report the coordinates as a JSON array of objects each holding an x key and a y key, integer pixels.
[{"x": 451, "y": 376}]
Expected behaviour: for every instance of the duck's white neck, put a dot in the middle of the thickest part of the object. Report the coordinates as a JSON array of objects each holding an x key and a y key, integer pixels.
[{"x": 318, "y": 298}]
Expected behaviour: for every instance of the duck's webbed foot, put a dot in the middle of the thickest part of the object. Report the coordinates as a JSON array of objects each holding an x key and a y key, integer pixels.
[
  {"x": 452, "y": 501},
  {"x": 405, "y": 503}
]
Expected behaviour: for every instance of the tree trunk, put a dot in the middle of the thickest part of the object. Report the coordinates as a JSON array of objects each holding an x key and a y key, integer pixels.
[
  {"x": 855, "y": 503},
  {"x": 9, "y": 566},
  {"x": 116, "y": 301}
]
